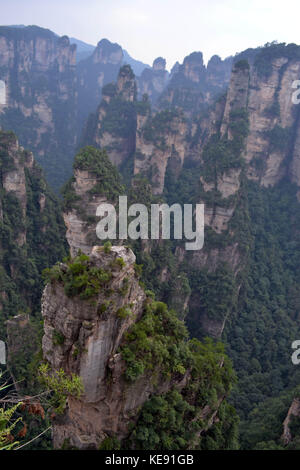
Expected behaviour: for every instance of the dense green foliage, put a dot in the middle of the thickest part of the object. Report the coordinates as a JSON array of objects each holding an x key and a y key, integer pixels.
[
  {"x": 160, "y": 124},
  {"x": 260, "y": 337},
  {"x": 218, "y": 293},
  {"x": 78, "y": 277},
  {"x": 156, "y": 343},
  {"x": 223, "y": 154},
  {"x": 176, "y": 420},
  {"x": 279, "y": 138},
  {"x": 120, "y": 118},
  {"x": 60, "y": 385}
]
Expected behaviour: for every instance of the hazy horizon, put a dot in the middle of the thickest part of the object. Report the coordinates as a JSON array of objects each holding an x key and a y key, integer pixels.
[{"x": 171, "y": 29}]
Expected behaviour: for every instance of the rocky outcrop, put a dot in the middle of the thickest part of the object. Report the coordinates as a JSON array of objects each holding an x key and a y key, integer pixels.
[
  {"x": 153, "y": 80},
  {"x": 193, "y": 68},
  {"x": 126, "y": 85},
  {"x": 95, "y": 181},
  {"x": 81, "y": 234},
  {"x": 219, "y": 71}
]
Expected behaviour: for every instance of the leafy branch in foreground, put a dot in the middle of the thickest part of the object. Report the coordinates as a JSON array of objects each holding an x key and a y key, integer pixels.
[{"x": 7, "y": 423}]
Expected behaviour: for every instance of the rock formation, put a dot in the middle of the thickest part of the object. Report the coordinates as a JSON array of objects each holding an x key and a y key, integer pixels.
[
  {"x": 96, "y": 338},
  {"x": 160, "y": 141},
  {"x": 93, "y": 338},
  {"x": 95, "y": 181},
  {"x": 192, "y": 85},
  {"x": 153, "y": 81}
]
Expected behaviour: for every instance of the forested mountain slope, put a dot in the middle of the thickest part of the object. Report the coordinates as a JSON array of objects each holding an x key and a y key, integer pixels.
[{"x": 32, "y": 238}]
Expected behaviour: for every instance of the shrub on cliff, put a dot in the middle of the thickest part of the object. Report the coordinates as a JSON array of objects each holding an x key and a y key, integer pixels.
[
  {"x": 96, "y": 162},
  {"x": 78, "y": 277}
]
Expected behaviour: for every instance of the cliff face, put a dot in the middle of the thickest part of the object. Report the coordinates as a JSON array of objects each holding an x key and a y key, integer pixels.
[
  {"x": 272, "y": 144},
  {"x": 38, "y": 70},
  {"x": 31, "y": 238},
  {"x": 95, "y": 181},
  {"x": 273, "y": 121},
  {"x": 108, "y": 403},
  {"x": 160, "y": 141}
]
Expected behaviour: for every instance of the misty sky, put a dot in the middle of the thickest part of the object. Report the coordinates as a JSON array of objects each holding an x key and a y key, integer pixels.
[{"x": 168, "y": 28}]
